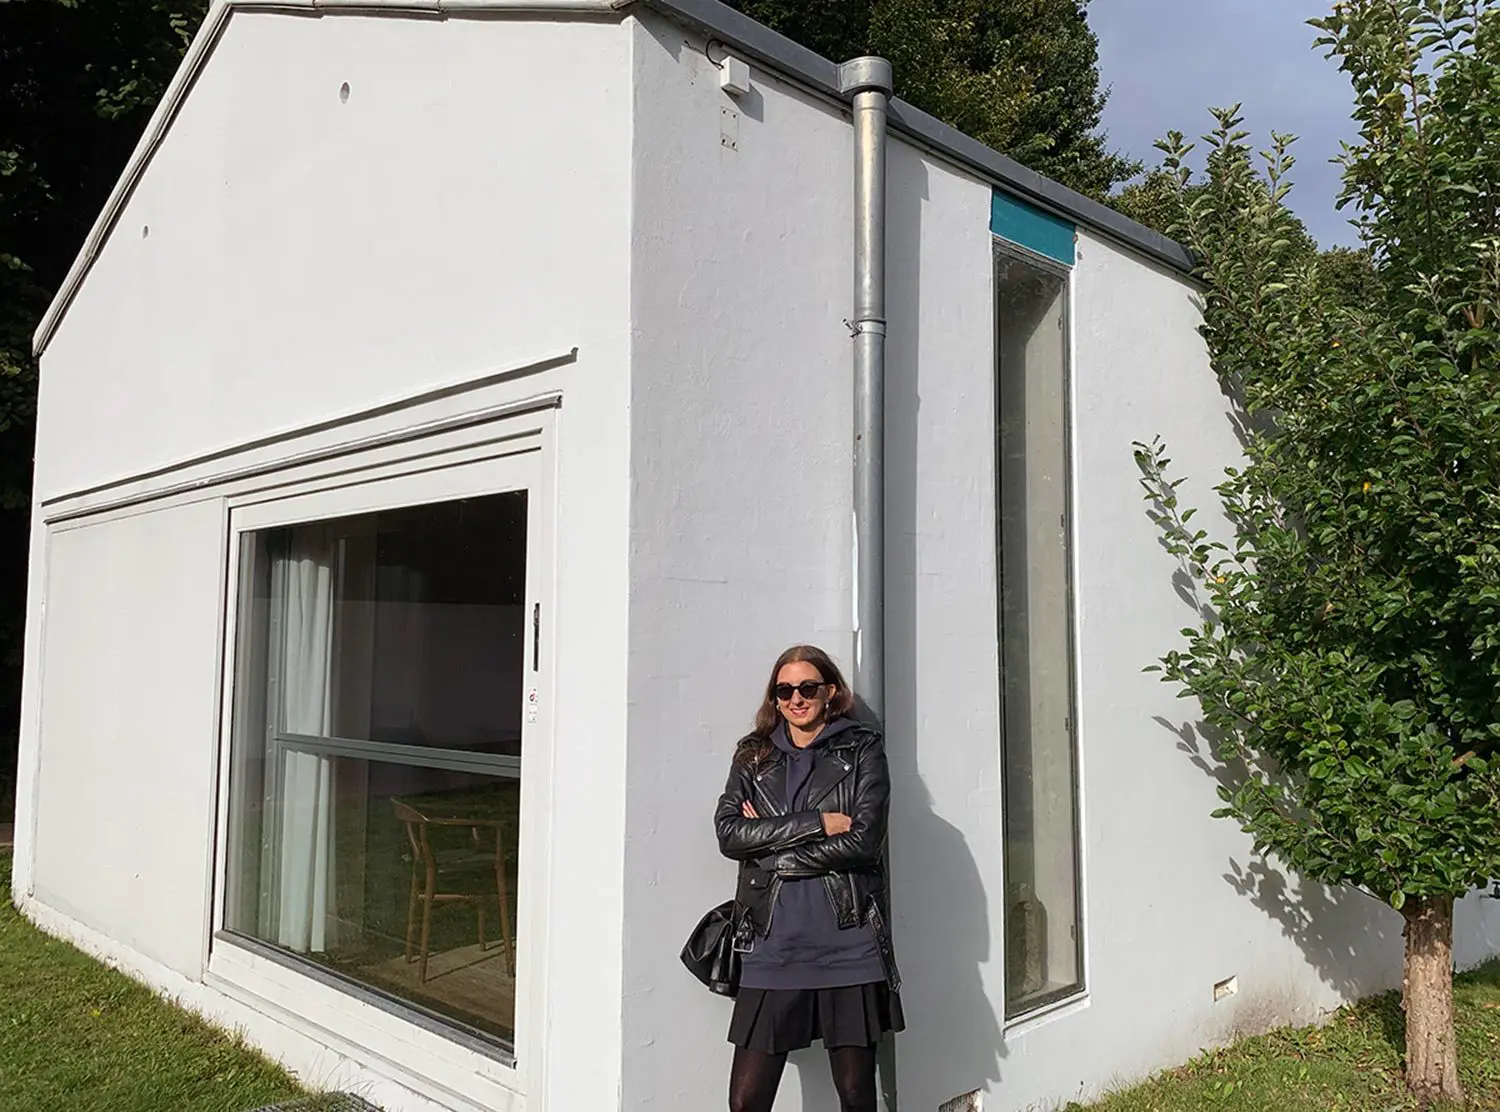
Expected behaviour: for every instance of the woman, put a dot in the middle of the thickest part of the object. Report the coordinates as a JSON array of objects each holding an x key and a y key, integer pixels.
[{"x": 804, "y": 814}]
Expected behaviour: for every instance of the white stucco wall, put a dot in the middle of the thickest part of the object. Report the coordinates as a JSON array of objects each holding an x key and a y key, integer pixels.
[
  {"x": 740, "y": 522},
  {"x": 739, "y": 497},
  {"x": 126, "y": 780},
  {"x": 457, "y": 212},
  {"x": 741, "y": 426},
  {"x": 466, "y": 210},
  {"x": 942, "y": 697}
]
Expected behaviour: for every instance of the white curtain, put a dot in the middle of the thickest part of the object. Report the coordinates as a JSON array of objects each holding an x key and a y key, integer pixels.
[{"x": 306, "y": 576}]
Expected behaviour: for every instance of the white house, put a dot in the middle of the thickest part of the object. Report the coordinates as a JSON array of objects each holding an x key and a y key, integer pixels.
[{"x": 454, "y": 411}]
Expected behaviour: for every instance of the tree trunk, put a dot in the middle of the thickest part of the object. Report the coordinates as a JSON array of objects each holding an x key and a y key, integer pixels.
[{"x": 1427, "y": 997}]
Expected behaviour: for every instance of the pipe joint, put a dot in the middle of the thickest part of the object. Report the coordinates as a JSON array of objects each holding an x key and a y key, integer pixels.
[{"x": 866, "y": 75}]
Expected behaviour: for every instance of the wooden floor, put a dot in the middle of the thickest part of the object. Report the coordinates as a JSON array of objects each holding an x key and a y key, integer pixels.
[{"x": 471, "y": 985}]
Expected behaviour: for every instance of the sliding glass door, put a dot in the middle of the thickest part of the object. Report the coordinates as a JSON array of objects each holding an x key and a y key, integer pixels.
[{"x": 383, "y": 664}]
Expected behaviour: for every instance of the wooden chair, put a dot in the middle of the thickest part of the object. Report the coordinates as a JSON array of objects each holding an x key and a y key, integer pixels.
[{"x": 429, "y": 866}]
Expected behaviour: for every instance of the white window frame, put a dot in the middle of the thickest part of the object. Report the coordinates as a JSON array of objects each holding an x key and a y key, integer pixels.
[
  {"x": 1065, "y": 1001},
  {"x": 424, "y": 1054}
]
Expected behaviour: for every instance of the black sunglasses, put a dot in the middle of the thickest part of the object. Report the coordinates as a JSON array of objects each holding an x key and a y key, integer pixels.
[{"x": 808, "y": 690}]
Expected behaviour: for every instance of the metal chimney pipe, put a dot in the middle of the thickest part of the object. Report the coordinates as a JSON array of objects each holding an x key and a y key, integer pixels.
[{"x": 867, "y": 81}]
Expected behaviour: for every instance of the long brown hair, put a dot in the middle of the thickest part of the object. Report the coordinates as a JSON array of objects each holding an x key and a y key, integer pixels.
[{"x": 758, "y": 746}]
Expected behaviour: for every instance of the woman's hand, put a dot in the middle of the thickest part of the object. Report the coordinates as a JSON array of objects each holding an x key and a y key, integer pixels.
[{"x": 748, "y": 810}]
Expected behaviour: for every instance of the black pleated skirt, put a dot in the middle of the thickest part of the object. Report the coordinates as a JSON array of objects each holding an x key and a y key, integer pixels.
[{"x": 780, "y": 1020}]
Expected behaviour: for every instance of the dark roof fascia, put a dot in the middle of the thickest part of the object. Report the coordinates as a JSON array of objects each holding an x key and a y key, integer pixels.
[{"x": 777, "y": 52}]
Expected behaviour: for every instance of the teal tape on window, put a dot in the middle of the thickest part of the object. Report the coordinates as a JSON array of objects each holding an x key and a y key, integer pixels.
[{"x": 1032, "y": 228}]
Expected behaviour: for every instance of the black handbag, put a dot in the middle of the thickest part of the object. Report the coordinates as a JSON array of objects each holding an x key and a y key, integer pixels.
[{"x": 712, "y": 951}]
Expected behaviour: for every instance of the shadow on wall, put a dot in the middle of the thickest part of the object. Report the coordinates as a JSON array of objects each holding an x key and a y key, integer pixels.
[
  {"x": 1351, "y": 939},
  {"x": 940, "y": 910},
  {"x": 940, "y": 913},
  {"x": 942, "y": 943}
]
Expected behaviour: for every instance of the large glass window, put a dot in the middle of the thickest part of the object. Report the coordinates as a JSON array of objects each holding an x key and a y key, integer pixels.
[
  {"x": 376, "y": 760},
  {"x": 1043, "y": 932}
]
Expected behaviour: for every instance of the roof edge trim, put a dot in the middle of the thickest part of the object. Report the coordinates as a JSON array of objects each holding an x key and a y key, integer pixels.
[{"x": 777, "y": 52}]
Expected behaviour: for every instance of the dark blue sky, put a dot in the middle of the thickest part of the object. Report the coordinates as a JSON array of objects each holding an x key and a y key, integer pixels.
[{"x": 1168, "y": 61}]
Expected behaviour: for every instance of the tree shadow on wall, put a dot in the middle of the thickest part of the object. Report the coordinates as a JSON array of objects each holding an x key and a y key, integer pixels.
[{"x": 1351, "y": 939}]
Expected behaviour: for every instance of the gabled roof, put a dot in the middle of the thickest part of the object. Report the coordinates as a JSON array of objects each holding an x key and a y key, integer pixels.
[{"x": 736, "y": 31}]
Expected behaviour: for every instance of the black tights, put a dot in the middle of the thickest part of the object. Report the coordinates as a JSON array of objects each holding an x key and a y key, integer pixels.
[{"x": 755, "y": 1077}]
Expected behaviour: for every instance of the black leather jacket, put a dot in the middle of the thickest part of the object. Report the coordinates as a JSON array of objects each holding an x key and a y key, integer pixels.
[{"x": 850, "y": 777}]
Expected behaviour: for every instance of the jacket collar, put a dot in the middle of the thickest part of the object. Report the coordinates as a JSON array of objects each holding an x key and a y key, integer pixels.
[
  {"x": 831, "y": 762},
  {"x": 828, "y": 773}
]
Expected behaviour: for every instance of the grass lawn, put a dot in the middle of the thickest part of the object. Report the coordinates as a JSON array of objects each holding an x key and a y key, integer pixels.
[
  {"x": 1353, "y": 1064},
  {"x": 79, "y": 1037}
]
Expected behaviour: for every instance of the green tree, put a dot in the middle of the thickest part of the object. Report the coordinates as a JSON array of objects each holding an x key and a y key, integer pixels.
[
  {"x": 1159, "y": 200},
  {"x": 1349, "y": 275},
  {"x": 1347, "y": 659},
  {"x": 1019, "y": 75}
]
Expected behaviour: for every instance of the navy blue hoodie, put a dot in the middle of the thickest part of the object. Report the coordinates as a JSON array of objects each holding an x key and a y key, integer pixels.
[{"x": 806, "y": 949}]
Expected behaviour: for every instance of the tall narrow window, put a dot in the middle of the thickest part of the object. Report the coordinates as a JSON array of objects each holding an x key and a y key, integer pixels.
[
  {"x": 1043, "y": 932},
  {"x": 376, "y": 752}
]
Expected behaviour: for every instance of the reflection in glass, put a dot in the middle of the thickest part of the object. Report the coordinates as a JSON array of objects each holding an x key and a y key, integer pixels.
[
  {"x": 1042, "y": 929},
  {"x": 376, "y": 757}
]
